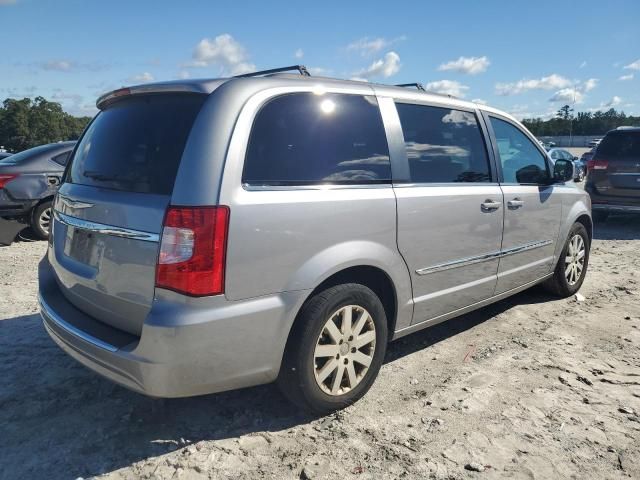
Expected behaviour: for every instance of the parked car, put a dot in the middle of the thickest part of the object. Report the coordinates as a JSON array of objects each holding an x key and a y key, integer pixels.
[
  {"x": 588, "y": 155},
  {"x": 613, "y": 174},
  {"x": 28, "y": 182},
  {"x": 580, "y": 167},
  {"x": 212, "y": 235},
  {"x": 4, "y": 155},
  {"x": 594, "y": 143}
]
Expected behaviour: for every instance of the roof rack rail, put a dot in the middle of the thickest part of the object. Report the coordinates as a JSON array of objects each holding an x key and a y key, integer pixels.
[
  {"x": 419, "y": 86},
  {"x": 300, "y": 68}
]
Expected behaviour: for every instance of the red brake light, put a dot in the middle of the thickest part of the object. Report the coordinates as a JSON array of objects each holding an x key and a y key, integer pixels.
[
  {"x": 597, "y": 165},
  {"x": 6, "y": 178},
  {"x": 193, "y": 249}
]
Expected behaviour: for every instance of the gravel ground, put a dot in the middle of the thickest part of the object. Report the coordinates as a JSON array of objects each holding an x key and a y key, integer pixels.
[{"x": 531, "y": 387}]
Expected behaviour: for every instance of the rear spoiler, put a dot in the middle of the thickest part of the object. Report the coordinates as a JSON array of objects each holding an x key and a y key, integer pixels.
[{"x": 169, "y": 87}]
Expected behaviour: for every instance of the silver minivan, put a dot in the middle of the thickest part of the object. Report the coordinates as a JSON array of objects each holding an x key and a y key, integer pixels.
[{"x": 217, "y": 234}]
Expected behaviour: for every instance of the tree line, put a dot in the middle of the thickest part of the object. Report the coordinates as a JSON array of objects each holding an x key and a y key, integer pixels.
[
  {"x": 29, "y": 122},
  {"x": 582, "y": 123}
]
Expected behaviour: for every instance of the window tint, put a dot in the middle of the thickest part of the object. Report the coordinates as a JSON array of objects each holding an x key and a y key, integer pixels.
[
  {"x": 62, "y": 158},
  {"x": 303, "y": 139},
  {"x": 136, "y": 144},
  {"x": 521, "y": 161},
  {"x": 619, "y": 145},
  {"x": 443, "y": 145}
]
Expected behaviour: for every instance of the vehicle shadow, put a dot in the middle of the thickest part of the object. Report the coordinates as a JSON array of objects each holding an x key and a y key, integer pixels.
[
  {"x": 618, "y": 227},
  {"x": 61, "y": 420}
]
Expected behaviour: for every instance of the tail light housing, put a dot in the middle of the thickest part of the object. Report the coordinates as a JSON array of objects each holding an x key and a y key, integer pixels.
[
  {"x": 193, "y": 249},
  {"x": 6, "y": 178},
  {"x": 597, "y": 165}
]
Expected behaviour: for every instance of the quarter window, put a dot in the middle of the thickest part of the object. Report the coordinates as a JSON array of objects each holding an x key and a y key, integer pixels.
[
  {"x": 521, "y": 161},
  {"x": 62, "y": 159},
  {"x": 306, "y": 139},
  {"x": 443, "y": 145}
]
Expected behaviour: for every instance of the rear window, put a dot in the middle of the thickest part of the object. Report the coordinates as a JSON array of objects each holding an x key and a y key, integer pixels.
[
  {"x": 26, "y": 155},
  {"x": 620, "y": 145},
  {"x": 135, "y": 145},
  {"x": 306, "y": 139}
]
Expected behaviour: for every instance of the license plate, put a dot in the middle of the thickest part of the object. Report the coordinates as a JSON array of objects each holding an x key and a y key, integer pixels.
[{"x": 81, "y": 246}]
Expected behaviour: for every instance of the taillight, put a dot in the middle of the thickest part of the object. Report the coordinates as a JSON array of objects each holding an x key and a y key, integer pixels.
[
  {"x": 597, "y": 165},
  {"x": 193, "y": 249},
  {"x": 6, "y": 178}
]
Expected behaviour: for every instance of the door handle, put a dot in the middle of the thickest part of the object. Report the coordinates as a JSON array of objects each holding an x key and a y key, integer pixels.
[
  {"x": 515, "y": 203},
  {"x": 53, "y": 181},
  {"x": 489, "y": 205}
]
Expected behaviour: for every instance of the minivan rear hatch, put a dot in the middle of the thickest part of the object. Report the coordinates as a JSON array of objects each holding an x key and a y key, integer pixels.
[
  {"x": 618, "y": 157},
  {"x": 109, "y": 212}
]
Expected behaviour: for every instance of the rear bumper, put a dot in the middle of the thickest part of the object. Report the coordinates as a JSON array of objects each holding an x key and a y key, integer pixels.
[
  {"x": 610, "y": 207},
  {"x": 10, "y": 207},
  {"x": 184, "y": 349}
]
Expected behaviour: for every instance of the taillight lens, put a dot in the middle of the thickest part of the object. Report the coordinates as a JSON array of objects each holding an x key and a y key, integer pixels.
[
  {"x": 193, "y": 249},
  {"x": 597, "y": 165},
  {"x": 6, "y": 178}
]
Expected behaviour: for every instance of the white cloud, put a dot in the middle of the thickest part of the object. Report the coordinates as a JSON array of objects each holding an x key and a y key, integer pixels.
[
  {"x": 626, "y": 77},
  {"x": 369, "y": 46},
  {"x": 633, "y": 66},
  {"x": 589, "y": 85},
  {"x": 550, "y": 82},
  {"x": 447, "y": 87},
  {"x": 387, "y": 66},
  {"x": 615, "y": 101},
  {"x": 468, "y": 65},
  {"x": 480, "y": 101},
  {"x": 57, "y": 65},
  {"x": 142, "y": 78},
  {"x": 184, "y": 74},
  {"x": 568, "y": 95},
  {"x": 583, "y": 64},
  {"x": 299, "y": 53},
  {"x": 224, "y": 52},
  {"x": 318, "y": 71}
]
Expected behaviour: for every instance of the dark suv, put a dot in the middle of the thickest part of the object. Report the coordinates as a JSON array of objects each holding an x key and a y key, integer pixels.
[{"x": 613, "y": 174}]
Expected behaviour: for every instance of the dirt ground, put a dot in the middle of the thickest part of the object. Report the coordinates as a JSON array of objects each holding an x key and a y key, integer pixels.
[{"x": 531, "y": 387}]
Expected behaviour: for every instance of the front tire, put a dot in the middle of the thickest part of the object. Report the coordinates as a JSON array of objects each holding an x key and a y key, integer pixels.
[
  {"x": 572, "y": 264},
  {"x": 41, "y": 219},
  {"x": 335, "y": 349}
]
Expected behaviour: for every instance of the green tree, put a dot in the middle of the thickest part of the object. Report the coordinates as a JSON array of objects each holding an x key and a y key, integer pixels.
[{"x": 28, "y": 123}]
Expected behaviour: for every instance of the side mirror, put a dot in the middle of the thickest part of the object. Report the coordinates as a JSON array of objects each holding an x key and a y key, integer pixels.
[
  {"x": 563, "y": 171},
  {"x": 576, "y": 158}
]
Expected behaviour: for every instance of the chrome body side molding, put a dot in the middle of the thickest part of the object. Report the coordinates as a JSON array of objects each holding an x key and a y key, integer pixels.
[{"x": 462, "y": 262}]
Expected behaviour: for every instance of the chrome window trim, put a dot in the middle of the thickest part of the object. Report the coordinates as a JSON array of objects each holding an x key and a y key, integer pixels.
[
  {"x": 105, "y": 229},
  {"x": 48, "y": 314},
  {"x": 318, "y": 186},
  {"x": 463, "y": 262}
]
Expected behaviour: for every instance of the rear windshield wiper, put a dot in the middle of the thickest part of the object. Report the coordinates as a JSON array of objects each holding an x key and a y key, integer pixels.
[{"x": 104, "y": 177}]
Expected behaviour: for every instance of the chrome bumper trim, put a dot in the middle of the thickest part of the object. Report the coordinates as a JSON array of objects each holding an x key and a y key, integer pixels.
[
  {"x": 105, "y": 229},
  {"x": 463, "y": 262},
  {"x": 48, "y": 314}
]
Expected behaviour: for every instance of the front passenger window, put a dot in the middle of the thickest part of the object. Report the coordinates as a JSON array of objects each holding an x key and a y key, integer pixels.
[{"x": 521, "y": 161}]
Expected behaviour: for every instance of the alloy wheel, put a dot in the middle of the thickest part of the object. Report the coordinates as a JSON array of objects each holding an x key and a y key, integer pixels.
[
  {"x": 574, "y": 261},
  {"x": 44, "y": 221},
  {"x": 344, "y": 350}
]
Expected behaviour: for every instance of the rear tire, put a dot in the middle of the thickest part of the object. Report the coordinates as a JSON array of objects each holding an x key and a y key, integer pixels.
[
  {"x": 41, "y": 218},
  {"x": 337, "y": 333},
  {"x": 572, "y": 264},
  {"x": 600, "y": 215}
]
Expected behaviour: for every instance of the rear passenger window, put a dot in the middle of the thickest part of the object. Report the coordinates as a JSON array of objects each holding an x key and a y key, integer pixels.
[
  {"x": 443, "y": 145},
  {"x": 306, "y": 139}
]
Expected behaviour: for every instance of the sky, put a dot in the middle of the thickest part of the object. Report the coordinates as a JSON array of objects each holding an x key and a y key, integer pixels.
[{"x": 527, "y": 58}]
